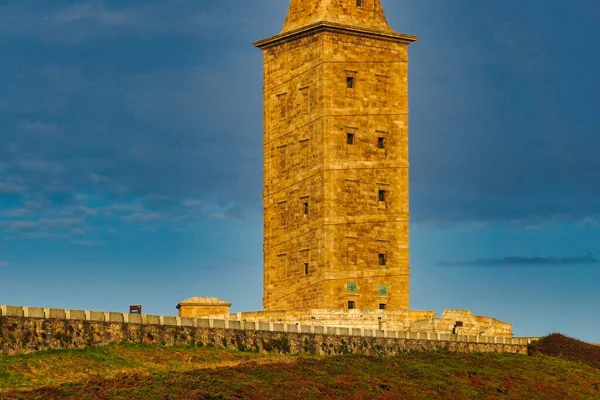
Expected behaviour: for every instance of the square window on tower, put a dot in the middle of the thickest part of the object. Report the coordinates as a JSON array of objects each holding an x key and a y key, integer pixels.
[
  {"x": 381, "y": 143},
  {"x": 359, "y": 3},
  {"x": 351, "y": 305},
  {"x": 350, "y": 82},
  {"x": 381, "y": 195},
  {"x": 350, "y": 138},
  {"x": 305, "y": 261},
  {"x": 382, "y": 259}
]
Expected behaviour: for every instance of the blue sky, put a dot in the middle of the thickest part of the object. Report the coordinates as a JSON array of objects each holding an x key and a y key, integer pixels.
[{"x": 131, "y": 159}]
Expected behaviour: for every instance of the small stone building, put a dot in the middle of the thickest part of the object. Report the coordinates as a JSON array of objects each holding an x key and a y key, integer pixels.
[{"x": 203, "y": 307}]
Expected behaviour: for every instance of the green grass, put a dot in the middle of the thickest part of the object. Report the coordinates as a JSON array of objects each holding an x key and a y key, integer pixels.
[
  {"x": 153, "y": 372},
  {"x": 55, "y": 367}
]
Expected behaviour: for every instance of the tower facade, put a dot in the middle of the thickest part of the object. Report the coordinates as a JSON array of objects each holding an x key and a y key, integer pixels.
[{"x": 336, "y": 204}]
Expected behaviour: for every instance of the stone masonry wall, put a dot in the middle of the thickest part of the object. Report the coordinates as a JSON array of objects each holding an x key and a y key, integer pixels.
[
  {"x": 336, "y": 212},
  {"x": 22, "y": 335},
  {"x": 27, "y": 329}
]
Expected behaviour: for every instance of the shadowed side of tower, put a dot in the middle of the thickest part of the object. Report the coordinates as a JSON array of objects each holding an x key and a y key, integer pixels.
[{"x": 336, "y": 216}]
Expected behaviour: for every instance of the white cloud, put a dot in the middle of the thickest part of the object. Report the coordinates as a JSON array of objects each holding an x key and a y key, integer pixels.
[
  {"x": 96, "y": 178},
  {"x": 60, "y": 222},
  {"x": 591, "y": 221},
  {"x": 44, "y": 235},
  {"x": 120, "y": 208},
  {"x": 87, "y": 210},
  {"x": 191, "y": 203},
  {"x": 17, "y": 212},
  {"x": 91, "y": 19},
  {"x": 41, "y": 224},
  {"x": 7, "y": 187},
  {"x": 39, "y": 128},
  {"x": 143, "y": 217},
  {"x": 19, "y": 225},
  {"x": 95, "y": 11},
  {"x": 40, "y": 166},
  {"x": 88, "y": 243}
]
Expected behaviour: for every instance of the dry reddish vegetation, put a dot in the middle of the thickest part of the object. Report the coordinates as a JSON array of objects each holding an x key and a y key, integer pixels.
[
  {"x": 141, "y": 372},
  {"x": 557, "y": 345}
]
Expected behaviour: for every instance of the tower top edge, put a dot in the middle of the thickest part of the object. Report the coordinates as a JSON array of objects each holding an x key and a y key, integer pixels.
[{"x": 334, "y": 27}]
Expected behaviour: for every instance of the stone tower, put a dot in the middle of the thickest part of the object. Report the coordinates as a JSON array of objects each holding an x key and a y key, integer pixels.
[{"x": 336, "y": 217}]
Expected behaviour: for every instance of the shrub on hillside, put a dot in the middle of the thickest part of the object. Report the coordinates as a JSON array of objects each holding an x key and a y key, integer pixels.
[{"x": 557, "y": 345}]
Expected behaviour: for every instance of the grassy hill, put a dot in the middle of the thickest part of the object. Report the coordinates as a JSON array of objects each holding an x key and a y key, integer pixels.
[{"x": 145, "y": 372}]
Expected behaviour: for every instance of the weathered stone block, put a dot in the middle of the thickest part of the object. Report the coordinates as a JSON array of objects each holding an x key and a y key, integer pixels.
[
  {"x": 34, "y": 312},
  {"x": 94, "y": 315},
  {"x": 133, "y": 318},
  {"x": 12, "y": 311},
  {"x": 278, "y": 327},
  {"x": 168, "y": 321},
  {"x": 263, "y": 326},
  {"x": 55, "y": 313},
  {"x": 151, "y": 319},
  {"x": 219, "y": 323},
  {"x": 75, "y": 314},
  {"x": 203, "y": 323},
  {"x": 114, "y": 317}
]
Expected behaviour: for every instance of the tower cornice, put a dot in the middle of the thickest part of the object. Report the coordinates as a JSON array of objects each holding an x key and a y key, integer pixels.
[{"x": 325, "y": 26}]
